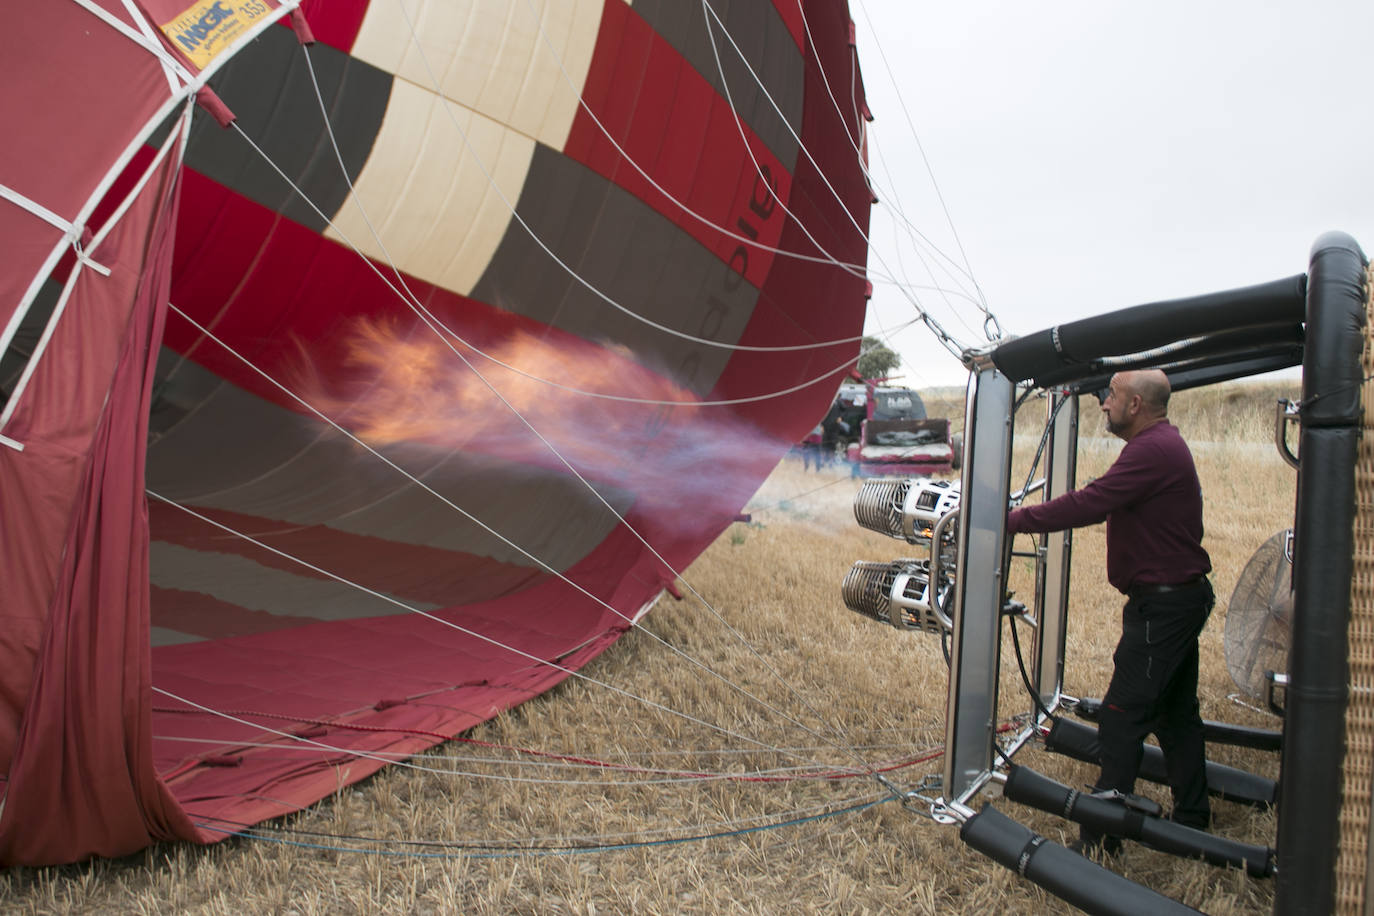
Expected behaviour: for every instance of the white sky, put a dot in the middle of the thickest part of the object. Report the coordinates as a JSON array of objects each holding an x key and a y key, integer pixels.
[{"x": 1097, "y": 155}]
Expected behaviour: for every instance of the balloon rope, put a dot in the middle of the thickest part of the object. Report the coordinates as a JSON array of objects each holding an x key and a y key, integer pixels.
[
  {"x": 922, "y": 314},
  {"x": 545, "y": 566},
  {"x": 453, "y": 764},
  {"x": 888, "y": 194},
  {"x": 433, "y": 323},
  {"x": 553, "y": 450},
  {"x": 495, "y": 643},
  {"x": 797, "y": 694},
  {"x": 863, "y": 270},
  {"x": 990, "y": 322},
  {"x": 448, "y": 335},
  {"x": 548, "y": 759},
  {"x": 522, "y": 849},
  {"x": 444, "y": 104}
]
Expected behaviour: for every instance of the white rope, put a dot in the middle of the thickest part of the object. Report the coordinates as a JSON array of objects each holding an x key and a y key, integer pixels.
[
  {"x": 744, "y": 139},
  {"x": 437, "y": 325},
  {"x": 885, "y": 193},
  {"x": 854, "y": 269},
  {"x": 495, "y": 643},
  {"x": 992, "y": 327},
  {"x": 444, "y": 101},
  {"x": 631, "y": 774},
  {"x": 929, "y": 320},
  {"x": 389, "y": 759},
  {"x": 575, "y": 473},
  {"x": 487, "y": 528},
  {"x": 917, "y": 241},
  {"x": 923, "y": 315},
  {"x": 263, "y": 831},
  {"x": 858, "y": 270}
]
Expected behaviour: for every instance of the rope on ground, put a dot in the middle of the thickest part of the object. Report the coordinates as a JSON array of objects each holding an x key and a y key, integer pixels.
[{"x": 383, "y": 847}]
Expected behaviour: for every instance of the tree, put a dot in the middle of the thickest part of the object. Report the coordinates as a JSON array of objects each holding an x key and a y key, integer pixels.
[{"x": 876, "y": 359}]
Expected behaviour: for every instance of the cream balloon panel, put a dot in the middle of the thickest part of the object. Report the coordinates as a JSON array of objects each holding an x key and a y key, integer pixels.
[
  {"x": 447, "y": 168},
  {"x": 492, "y": 56},
  {"x": 438, "y": 189}
]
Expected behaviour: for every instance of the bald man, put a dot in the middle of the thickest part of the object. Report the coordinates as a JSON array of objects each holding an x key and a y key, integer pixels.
[{"x": 1152, "y": 503}]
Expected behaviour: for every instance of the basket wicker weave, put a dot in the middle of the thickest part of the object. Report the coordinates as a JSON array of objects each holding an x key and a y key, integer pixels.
[{"x": 1352, "y": 860}]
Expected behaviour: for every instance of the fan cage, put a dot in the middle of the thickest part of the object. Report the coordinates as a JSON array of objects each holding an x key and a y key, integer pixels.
[{"x": 1259, "y": 616}]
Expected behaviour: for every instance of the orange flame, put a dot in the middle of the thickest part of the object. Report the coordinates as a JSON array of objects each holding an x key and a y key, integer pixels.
[
  {"x": 685, "y": 466},
  {"x": 414, "y": 387}
]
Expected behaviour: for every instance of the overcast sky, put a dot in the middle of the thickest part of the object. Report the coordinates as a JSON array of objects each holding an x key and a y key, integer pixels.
[{"x": 1097, "y": 155}]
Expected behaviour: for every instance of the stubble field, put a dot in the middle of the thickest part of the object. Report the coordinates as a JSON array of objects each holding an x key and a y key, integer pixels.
[{"x": 727, "y": 766}]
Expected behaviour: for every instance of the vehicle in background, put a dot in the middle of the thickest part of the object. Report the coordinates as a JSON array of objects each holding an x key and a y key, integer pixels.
[
  {"x": 896, "y": 436},
  {"x": 882, "y": 429}
]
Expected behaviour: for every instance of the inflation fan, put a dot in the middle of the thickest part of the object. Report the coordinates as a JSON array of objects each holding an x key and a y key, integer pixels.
[{"x": 1259, "y": 619}]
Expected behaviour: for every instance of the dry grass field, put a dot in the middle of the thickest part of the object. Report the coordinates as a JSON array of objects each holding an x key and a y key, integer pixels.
[{"x": 724, "y": 773}]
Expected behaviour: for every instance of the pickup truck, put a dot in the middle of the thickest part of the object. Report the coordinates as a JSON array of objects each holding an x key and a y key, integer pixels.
[{"x": 896, "y": 436}]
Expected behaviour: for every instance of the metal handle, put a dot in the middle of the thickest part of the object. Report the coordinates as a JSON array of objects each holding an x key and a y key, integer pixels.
[
  {"x": 1285, "y": 412},
  {"x": 936, "y": 545}
]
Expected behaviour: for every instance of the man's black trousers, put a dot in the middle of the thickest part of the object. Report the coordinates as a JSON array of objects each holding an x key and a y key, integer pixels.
[{"x": 1154, "y": 689}]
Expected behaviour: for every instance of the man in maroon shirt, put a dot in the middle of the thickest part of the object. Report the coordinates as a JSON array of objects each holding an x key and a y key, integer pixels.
[{"x": 1151, "y": 501}]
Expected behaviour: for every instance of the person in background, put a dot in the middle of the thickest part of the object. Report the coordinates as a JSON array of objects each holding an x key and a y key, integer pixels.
[{"x": 1151, "y": 501}]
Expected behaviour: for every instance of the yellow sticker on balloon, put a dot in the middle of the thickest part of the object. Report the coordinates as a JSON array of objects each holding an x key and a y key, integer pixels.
[{"x": 210, "y": 26}]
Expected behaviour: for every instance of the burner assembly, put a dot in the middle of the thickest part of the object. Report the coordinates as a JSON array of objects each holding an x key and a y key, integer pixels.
[{"x": 911, "y": 593}]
